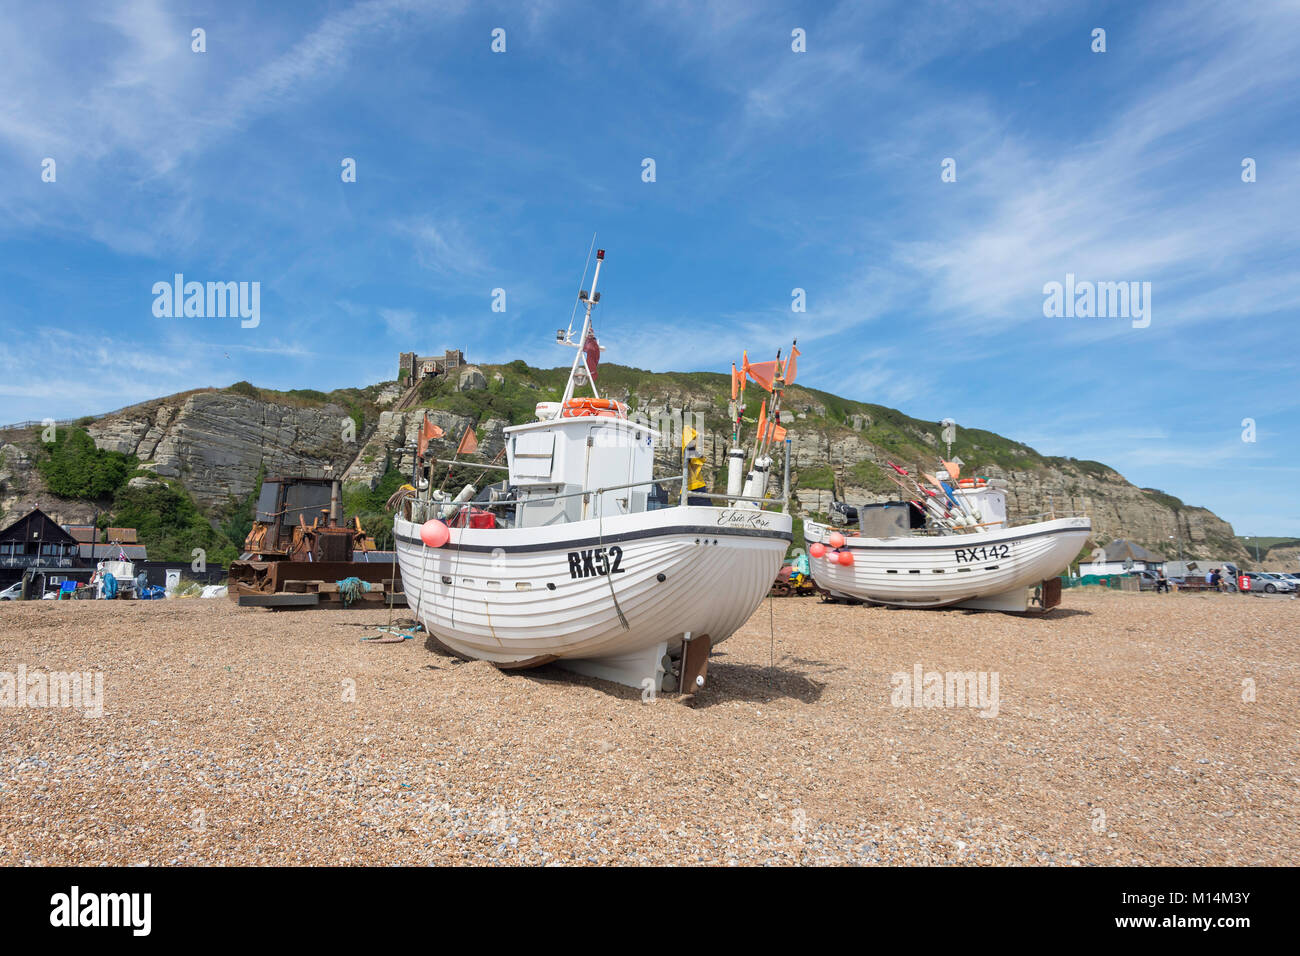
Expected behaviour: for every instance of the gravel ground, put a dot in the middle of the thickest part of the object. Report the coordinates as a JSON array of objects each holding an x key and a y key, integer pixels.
[{"x": 228, "y": 736}]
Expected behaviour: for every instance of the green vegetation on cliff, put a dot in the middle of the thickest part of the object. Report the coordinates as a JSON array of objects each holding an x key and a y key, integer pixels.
[
  {"x": 170, "y": 525},
  {"x": 74, "y": 468}
]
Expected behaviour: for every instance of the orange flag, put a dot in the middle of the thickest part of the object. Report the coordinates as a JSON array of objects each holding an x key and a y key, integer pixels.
[
  {"x": 763, "y": 373},
  {"x": 778, "y": 433},
  {"x": 468, "y": 442},
  {"x": 762, "y": 417},
  {"x": 954, "y": 471},
  {"x": 737, "y": 379},
  {"x": 423, "y": 439},
  {"x": 791, "y": 365}
]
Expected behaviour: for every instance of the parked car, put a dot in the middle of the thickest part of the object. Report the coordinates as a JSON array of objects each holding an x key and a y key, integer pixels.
[
  {"x": 1293, "y": 578},
  {"x": 1269, "y": 583},
  {"x": 13, "y": 592},
  {"x": 1147, "y": 580}
]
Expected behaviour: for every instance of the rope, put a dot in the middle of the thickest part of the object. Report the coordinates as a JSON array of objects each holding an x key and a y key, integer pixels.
[
  {"x": 351, "y": 589},
  {"x": 609, "y": 578},
  {"x": 395, "y": 635},
  {"x": 392, "y": 580},
  {"x": 771, "y": 641}
]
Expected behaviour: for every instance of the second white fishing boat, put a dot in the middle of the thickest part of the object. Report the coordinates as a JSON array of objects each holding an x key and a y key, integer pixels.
[
  {"x": 988, "y": 565},
  {"x": 585, "y": 558}
]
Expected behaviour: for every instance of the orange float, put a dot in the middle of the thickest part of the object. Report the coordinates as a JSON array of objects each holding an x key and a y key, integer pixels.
[{"x": 593, "y": 408}]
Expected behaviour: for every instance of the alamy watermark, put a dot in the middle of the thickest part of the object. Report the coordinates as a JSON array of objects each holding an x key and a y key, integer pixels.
[
  {"x": 83, "y": 691},
  {"x": 922, "y": 688},
  {"x": 1101, "y": 300},
  {"x": 212, "y": 300},
  {"x": 129, "y": 910}
]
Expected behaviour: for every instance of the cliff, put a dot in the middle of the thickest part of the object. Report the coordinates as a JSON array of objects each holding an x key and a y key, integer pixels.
[{"x": 216, "y": 443}]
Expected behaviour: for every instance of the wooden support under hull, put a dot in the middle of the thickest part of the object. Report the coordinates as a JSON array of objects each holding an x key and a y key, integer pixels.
[{"x": 695, "y": 663}]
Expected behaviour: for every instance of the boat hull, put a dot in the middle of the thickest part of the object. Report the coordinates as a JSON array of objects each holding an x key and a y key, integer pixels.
[
  {"x": 609, "y": 597},
  {"x": 990, "y": 569}
]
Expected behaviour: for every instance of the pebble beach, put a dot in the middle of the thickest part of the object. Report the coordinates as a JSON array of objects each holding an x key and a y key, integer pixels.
[{"x": 1125, "y": 729}]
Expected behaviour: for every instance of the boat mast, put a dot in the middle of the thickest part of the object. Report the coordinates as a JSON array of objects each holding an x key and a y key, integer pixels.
[{"x": 581, "y": 344}]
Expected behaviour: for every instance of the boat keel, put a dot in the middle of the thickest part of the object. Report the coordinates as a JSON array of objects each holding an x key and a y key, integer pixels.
[
  {"x": 1038, "y": 599},
  {"x": 641, "y": 669}
]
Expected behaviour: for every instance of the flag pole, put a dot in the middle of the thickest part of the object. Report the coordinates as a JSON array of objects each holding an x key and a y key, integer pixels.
[
  {"x": 590, "y": 299},
  {"x": 456, "y": 456},
  {"x": 778, "y": 390}
]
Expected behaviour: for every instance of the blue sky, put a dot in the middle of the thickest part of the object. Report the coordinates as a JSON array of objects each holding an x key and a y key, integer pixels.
[{"x": 775, "y": 170}]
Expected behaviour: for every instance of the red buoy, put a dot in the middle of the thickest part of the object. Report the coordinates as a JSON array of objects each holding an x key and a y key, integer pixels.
[{"x": 434, "y": 533}]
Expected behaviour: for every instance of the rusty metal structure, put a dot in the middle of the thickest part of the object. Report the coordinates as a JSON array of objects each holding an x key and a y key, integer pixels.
[
  {"x": 300, "y": 549},
  {"x": 788, "y": 584}
]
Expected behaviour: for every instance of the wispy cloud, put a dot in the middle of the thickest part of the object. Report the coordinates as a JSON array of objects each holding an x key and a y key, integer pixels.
[{"x": 444, "y": 247}]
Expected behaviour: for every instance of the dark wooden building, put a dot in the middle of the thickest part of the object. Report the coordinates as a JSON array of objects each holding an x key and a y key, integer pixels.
[{"x": 36, "y": 545}]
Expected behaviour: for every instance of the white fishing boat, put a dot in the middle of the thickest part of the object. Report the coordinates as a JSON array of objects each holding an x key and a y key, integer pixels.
[
  {"x": 583, "y": 557},
  {"x": 983, "y": 562}
]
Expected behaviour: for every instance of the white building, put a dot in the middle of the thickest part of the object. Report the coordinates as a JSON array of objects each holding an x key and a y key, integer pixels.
[{"x": 1120, "y": 556}]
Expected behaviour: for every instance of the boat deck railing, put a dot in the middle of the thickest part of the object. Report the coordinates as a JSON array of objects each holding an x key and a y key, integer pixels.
[
  {"x": 421, "y": 509},
  {"x": 1049, "y": 515},
  {"x": 1020, "y": 522}
]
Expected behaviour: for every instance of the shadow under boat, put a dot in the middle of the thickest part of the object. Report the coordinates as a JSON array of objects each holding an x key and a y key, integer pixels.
[{"x": 728, "y": 681}]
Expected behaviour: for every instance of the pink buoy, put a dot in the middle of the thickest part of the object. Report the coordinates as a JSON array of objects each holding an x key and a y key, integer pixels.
[
  {"x": 845, "y": 558},
  {"x": 434, "y": 533},
  {"x": 817, "y": 550},
  {"x": 836, "y": 540}
]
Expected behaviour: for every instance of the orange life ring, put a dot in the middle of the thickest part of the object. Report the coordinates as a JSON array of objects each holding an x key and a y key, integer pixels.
[{"x": 593, "y": 407}]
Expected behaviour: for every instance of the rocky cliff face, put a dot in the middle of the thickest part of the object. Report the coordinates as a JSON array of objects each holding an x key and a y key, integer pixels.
[
  {"x": 21, "y": 489},
  {"x": 217, "y": 442},
  {"x": 1282, "y": 558},
  {"x": 1118, "y": 508},
  {"x": 393, "y": 442}
]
